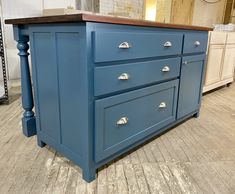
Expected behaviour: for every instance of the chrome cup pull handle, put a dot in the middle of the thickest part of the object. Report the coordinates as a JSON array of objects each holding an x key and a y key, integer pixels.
[
  {"x": 162, "y": 105},
  {"x": 197, "y": 43},
  {"x": 122, "y": 121},
  {"x": 124, "y": 45},
  {"x": 124, "y": 76},
  {"x": 167, "y": 44},
  {"x": 166, "y": 69}
]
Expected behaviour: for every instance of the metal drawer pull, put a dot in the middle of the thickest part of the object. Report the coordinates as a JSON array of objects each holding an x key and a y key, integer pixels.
[
  {"x": 165, "y": 69},
  {"x": 122, "y": 121},
  {"x": 124, "y": 76},
  {"x": 168, "y": 44},
  {"x": 197, "y": 43},
  {"x": 124, "y": 45},
  {"x": 188, "y": 62},
  {"x": 162, "y": 105}
]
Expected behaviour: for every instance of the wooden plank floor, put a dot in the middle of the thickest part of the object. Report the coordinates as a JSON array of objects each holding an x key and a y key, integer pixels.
[{"x": 197, "y": 156}]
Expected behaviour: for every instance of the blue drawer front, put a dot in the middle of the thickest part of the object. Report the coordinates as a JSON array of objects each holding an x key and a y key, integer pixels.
[
  {"x": 143, "y": 115},
  {"x": 107, "y": 79},
  {"x": 195, "y": 43},
  {"x": 142, "y": 45}
]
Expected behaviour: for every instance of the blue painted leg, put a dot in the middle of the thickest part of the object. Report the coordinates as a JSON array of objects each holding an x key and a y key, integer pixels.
[
  {"x": 196, "y": 115},
  {"x": 41, "y": 144},
  {"x": 28, "y": 120},
  {"x": 29, "y": 126},
  {"x": 89, "y": 174}
]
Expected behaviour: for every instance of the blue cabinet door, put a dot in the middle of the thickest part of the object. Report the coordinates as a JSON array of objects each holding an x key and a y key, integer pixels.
[{"x": 190, "y": 90}]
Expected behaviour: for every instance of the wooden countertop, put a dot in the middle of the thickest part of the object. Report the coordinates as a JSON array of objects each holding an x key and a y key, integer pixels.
[{"x": 100, "y": 19}]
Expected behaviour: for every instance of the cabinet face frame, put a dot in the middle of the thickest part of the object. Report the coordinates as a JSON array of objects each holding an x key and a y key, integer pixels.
[
  {"x": 212, "y": 61},
  {"x": 228, "y": 62}
]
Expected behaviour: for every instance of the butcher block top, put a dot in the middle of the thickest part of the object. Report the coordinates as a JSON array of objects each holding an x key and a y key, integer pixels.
[{"x": 100, "y": 19}]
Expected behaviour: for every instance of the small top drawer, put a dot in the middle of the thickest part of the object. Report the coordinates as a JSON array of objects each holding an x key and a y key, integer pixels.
[
  {"x": 119, "y": 77},
  {"x": 114, "y": 46},
  {"x": 195, "y": 43}
]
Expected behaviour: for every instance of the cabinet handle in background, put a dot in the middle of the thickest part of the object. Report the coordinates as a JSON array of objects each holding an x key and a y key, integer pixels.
[
  {"x": 162, "y": 105},
  {"x": 122, "y": 121},
  {"x": 124, "y": 45},
  {"x": 167, "y": 44},
  {"x": 166, "y": 69},
  {"x": 197, "y": 43},
  {"x": 124, "y": 76}
]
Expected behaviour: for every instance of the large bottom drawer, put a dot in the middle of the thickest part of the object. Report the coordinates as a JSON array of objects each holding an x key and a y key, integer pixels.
[{"x": 124, "y": 119}]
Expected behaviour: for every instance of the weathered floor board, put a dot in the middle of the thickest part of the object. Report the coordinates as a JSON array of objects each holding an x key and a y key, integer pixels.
[{"x": 197, "y": 156}]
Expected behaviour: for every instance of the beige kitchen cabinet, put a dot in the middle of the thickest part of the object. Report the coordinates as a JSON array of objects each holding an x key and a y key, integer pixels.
[
  {"x": 229, "y": 59},
  {"x": 220, "y": 60}
]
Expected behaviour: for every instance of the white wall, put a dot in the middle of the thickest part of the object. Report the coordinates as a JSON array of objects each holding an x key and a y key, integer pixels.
[
  {"x": 17, "y": 9},
  {"x": 49, "y": 4}
]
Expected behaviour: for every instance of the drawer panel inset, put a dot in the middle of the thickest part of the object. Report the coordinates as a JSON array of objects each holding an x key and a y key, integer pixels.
[
  {"x": 115, "y": 46},
  {"x": 120, "y": 77},
  {"x": 195, "y": 43},
  {"x": 124, "y": 119}
]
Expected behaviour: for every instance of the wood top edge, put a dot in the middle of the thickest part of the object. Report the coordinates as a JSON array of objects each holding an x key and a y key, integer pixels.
[{"x": 100, "y": 19}]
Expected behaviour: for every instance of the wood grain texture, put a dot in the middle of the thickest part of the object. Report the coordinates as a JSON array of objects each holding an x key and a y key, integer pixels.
[
  {"x": 207, "y": 14},
  {"x": 182, "y": 12},
  {"x": 197, "y": 156},
  {"x": 100, "y": 19}
]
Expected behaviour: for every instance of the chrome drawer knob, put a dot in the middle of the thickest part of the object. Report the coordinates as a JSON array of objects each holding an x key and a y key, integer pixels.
[
  {"x": 124, "y": 76},
  {"x": 162, "y": 105},
  {"x": 122, "y": 121},
  {"x": 166, "y": 69},
  {"x": 124, "y": 45},
  {"x": 167, "y": 44},
  {"x": 197, "y": 43}
]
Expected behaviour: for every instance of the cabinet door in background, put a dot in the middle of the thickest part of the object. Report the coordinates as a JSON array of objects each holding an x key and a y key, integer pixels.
[
  {"x": 229, "y": 62},
  {"x": 214, "y": 64}
]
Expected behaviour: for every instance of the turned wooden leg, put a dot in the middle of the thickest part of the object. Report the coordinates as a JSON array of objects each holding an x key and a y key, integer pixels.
[{"x": 28, "y": 120}]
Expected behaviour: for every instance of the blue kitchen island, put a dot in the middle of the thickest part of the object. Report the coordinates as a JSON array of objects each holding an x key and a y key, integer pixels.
[{"x": 103, "y": 85}]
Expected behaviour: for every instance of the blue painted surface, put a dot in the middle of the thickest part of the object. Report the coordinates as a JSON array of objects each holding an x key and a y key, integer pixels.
[
  {"x": 106, "y": 78},
  {"x": 141, "y": 107},
  {"x": 28, "y": 120},
  {"x": 78, "y": 98},
  {"x": 106, "y": 45},
  {"x": 190, "y": 43},
  {"x": 190, "y": 84}
]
